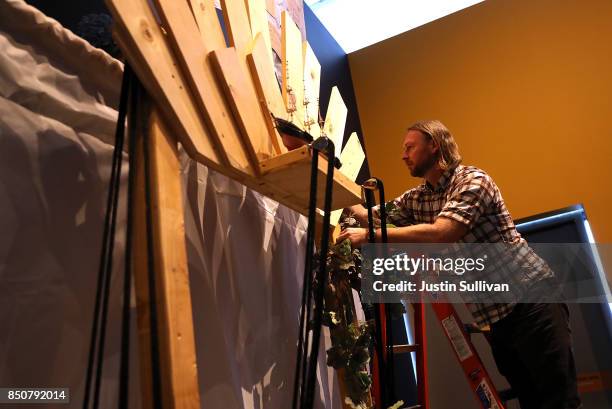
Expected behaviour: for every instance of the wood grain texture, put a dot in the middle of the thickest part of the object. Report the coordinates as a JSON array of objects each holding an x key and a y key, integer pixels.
[
  {"x": 192, "y": 51},
  {"x": 291, "y": 172},
  {"x": 175, "y": 314},
  {"x": 312, "y": 85},
  {"x": 293, "y": 70},
  {"x": 258, "y": 16},
  {"x": 241, "y": 95},
  {"x": 238, "y": 26},
  {"x": 268, "y": 91},
  {"x": 208, "y": 23},
  {"x": 143, "y": 43},
  {"x": 179, "y": 376}
]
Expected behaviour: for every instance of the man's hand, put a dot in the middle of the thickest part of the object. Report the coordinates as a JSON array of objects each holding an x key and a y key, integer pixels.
[
  {"x": 356, "y": 235},
  {"x": 360, "y": 213}
]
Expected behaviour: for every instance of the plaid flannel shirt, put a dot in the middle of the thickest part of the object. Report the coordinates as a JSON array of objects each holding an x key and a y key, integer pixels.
[{"x": 468, "y": 195}]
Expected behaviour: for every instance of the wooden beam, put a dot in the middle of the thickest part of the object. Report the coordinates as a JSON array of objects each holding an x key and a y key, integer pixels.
[
  {"x": 258, "y": 16},
  {"x": 267, "y": 88},
  {"x": 312, "y": 84},
  {"x": 192, "y": 50},
  {"x": 291, "y": 172},
  {"x": 180, "y": 388},
  {"x": 293, "y": 70},
  {"x": 142, "y": 42},
  {"x": 179, "y": 378},
  {"x": 238, "y": 26},
  {"x": 240, "y": 92},
  {"x": 207, "y": 20}
]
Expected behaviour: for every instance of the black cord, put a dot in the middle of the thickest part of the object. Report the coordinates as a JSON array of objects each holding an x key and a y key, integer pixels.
[
  {"x": 124, "y": 367},
  {"x": 390, "y": 362},
  {"x": 322, "y": 273},
  {"x": 106, "y": 254},
  {"x": 303, "y": 336},
  {"x": 378, "y": 338}
]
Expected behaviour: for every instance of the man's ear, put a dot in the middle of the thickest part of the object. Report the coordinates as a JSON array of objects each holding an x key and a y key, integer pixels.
[{"x": 434, "y": 145}]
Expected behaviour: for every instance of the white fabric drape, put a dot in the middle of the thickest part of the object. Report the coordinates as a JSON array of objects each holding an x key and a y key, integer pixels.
[{"x": 58, "y": 98}]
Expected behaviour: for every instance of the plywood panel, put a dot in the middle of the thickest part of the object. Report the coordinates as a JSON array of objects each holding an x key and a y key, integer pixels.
[
  {"x": 335, "y": 119},
  {"x": 352, "y": 158}
]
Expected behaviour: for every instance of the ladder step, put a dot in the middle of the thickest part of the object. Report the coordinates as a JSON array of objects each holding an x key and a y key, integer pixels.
[{"x": 402, "y": 349}]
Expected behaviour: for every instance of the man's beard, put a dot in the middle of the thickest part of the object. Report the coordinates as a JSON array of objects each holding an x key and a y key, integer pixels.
[{"x": 420, "y": 170}]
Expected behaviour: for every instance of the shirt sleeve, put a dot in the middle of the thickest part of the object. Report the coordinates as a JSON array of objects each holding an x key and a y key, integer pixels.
[
  {"x": 470, "y": 199},
  {"x": 401, "y": 214}
]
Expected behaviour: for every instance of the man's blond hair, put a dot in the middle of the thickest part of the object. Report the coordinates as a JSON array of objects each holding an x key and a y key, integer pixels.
[{"x": 434, "y": 129}]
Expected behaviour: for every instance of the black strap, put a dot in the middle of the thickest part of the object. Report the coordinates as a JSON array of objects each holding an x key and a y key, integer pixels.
[
  {"x": 386, "y": 359},
  {"x": 306, "y": 365},
  {"x": 133, "y": 128},
  {"x": 106, "y": 255},
  {"x": 326, "y": 145},
  {"x": 303, "y": 335}
]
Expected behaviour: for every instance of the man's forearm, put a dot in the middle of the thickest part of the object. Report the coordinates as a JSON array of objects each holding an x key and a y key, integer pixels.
[
  {"x": 418, "y": 233},
  {"x": 443, "y": 231}
]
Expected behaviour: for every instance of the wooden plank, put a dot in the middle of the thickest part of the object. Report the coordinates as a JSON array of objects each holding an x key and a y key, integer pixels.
[
  {"x": 191, "y": 50},
  {"x": 207, "y": 20},
  {"x": 175, "y": 314},
  {"x": 238, "y": 26},
  {"x": 352, "y": 158},
  {"x": 142, "y": 42},
  {"x": 258, "y": 16},
  {"x": 245, "y": 105},
  {"x": 293, "y": 70},
  {"x": 335, "y": 119},
  {"x": 291, "y": 172},
  {"x": 312, "y": 84},
  {"x": 268, "y": 91}
]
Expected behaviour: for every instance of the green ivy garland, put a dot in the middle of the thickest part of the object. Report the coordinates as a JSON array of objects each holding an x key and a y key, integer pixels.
[{"x": 351, "y": 340}]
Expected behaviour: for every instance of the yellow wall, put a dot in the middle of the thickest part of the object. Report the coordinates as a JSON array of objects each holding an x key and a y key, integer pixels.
[{"x": 526, "y": 88}]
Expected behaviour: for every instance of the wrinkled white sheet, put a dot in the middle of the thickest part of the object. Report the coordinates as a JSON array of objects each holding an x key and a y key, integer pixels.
[{"x": 58, "y": 97}]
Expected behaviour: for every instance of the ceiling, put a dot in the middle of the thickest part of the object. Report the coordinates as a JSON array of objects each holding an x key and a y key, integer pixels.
[{"x": 356, "y": 24}]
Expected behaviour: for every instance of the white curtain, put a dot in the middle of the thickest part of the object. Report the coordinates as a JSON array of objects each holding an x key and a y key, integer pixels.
[{"x": 58, "y": 98}]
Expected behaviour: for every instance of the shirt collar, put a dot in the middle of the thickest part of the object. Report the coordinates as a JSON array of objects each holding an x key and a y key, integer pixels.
[{"x": 443, "y": 181}]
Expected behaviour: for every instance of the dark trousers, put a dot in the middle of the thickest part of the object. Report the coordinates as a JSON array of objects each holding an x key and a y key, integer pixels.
[{"x": 532, "y": 348}]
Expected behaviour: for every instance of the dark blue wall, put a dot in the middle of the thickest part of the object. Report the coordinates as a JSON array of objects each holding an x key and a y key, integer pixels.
[{"x": 334, "y": 71}]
